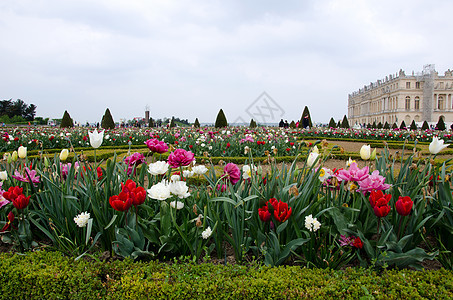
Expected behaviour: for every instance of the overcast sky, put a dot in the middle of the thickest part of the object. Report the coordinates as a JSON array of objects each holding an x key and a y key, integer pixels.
[{"x": 189, "y": 58}]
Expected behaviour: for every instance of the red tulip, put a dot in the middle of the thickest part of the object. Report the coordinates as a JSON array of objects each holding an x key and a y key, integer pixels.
[
  {"x": 382, "y": 209},
  {"x": 10, "y": 220},
  {"x": 281, "y": 211},
  {"x": 357, "y": 243},
  {"x": 14, "y": 194},
  {"x": 376, "y": 195},
  {"x": 404, "y": 205},
  {"x": 121, "y": 202},
  {"x": 264, "y": 213}
]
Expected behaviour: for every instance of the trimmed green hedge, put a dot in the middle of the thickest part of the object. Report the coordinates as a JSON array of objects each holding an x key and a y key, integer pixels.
[{"x": 50, "y": 275}]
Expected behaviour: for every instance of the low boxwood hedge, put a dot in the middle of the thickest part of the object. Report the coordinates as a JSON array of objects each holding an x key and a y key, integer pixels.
[{"x": 50, "y": 275}]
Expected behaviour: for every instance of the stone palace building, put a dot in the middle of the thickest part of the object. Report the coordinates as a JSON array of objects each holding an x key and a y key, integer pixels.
[{"x": 424, "y": 96}]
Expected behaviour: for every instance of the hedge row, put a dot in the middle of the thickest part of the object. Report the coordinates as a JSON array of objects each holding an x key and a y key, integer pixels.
[{"x": 50, "y": 275}]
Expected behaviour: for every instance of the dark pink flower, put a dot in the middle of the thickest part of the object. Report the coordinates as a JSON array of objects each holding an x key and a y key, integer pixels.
[
  {"x": 232, "y": 173},
  {"x": 353, "y": 173},
  {"x": 24, "y": 178},
  {"x": 180, "y": 158},
  {"x": 374, "y": 182},
  {"x": 133, "y": 161},
  {"x": 156, "y": 146}
]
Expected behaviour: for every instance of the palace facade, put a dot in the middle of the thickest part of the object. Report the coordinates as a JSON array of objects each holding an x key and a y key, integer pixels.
[{"x": 425, "y": 96}]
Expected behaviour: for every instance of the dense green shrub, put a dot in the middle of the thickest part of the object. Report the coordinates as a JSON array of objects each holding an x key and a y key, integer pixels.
[
  {"x": 252, "y": 124},
  {"x": 332, "y": 123},
  {"x": 66, "y": 121},
  {"x": 386, "y": 125},
  {"x": 49, "y": 275},
  {"x": 305, "y": 115},
  {"x": 345, "y": 123},
  {"x": 107, "y": 120},
  {"x": 413, "y": 126},
  {"x": 196, "y": 124},
  {"x": 221, "y": 120},
  {"x": 425, "y": 125},
  {"x": 403, "y": 125},
  {"x": 440, "y": 124}
]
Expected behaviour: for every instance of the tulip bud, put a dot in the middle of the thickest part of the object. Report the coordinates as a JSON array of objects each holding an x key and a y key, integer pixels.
[
  {"x": 64, "y": 154},
  {"x": 259, "y": 170},
  {"x": 14, "y": 156},
  {"x": 22, "y": 152},
  {"x": 8, "y": 157},
  {"x": 3, "y": 175},
  {"x": 373, "y": 154},
  {"x": 46, "y": 162},
  {"x": 312, "y": 157},
  {"x": 365, "y": 152}
]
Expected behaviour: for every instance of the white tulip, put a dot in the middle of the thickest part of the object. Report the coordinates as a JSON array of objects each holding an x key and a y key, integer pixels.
[
  {"x": 312, "y": 157},
  {"x": 96, "y": 138},
  {"x": 3, "y": 175},
  {"x": 365, "y": 152},
  {"x": 22, "y": 152},
  {"x": 179, "y": 188},
  {"x": 437, "y": 145},
  {"x": 64, "y": 154},
  {"x": 159, "y": 191},
  {"x": 158, "y": 168}
]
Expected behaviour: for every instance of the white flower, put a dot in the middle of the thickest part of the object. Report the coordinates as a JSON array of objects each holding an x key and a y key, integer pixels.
[
  {"x": 315, "y": 149},
  {"x": 82, "y": 219},
  {"x": 64, "y": 154},
  {"x": 437, "y": 145},
  {"x": 246, "y": 149},
  {"x": 187, "y": 173},
  {"x": 22, "y": 152},
  {"x": 365, "y": 152},
  {"x": 206, "y": 233},
  {"x": 311, "y": 223},
  {"x": 180, "y": 189},
  {"x": 324, "y": 174},
  {"x": 199, "y": 170},
  {"x": 312, "y": 157},
  {"x": 175, "y": 178},
  {"x": 96, "y": 138},
  {"x": 159, "y": 191},
  {"x": 158, "y": 168},
  {"x": 3, "y": 175},
  {"x": 177, "y": 204},
  {"x": 247, "y": 171}
]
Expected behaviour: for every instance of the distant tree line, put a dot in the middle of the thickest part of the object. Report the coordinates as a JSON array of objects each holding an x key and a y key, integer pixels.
[{"x": 17, "y": 110}]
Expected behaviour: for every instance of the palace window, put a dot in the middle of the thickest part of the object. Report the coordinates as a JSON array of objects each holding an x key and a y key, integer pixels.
[
  {"x": 408, "y": 85},
  {"x": 408, "y": 103},
  {"x": 417, "y": 85},
  {"x": 417, "y": 103},
  {"x": 440, "y": 102}
]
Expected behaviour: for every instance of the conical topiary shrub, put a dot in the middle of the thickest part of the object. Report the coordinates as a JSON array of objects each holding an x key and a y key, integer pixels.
[
  {"x": 386, "y": 125},
  {"x": 252, "y": 123},
  {"x": 413, "y": 125},
  {"x": 107, "y": 120},
  {"x": 151, "y": 123},
  {"x": 196, "y": 124},
  {"x": 345, "y": 123},
  {"x": 66, "y": 122},
  {"x": 403, "y": 125},
  {"x": 172, "y": 122},
  {"x": 305, "y": 120},
  {"x": 425, "y": 125},
  {"x": 440, "y": 124},
  {"x": 221, "y": 120},
  {"x": 332, "y": 123}
]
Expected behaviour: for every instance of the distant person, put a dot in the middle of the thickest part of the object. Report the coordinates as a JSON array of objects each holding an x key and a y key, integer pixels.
[
  {"x": 305, "y": 122},
  {"x": 286, "y": 124},
  {"x": 282, "y": 123}
]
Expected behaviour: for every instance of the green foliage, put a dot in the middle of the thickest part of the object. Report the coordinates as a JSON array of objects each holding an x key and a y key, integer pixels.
[
  {"x": 107, "y": 120},
  {"x": 66, "y": 121},
  {"x": 425, "y": 125},
  {"x": 305, "y": 113},
  {"x": 172, "y": 122},
  {"x": 394, "y": 126},
  {"x": 374, "y": 126},
  {"x": 440, "y": 124},
  {"x": 403, "y": 125},
  {"x": 386, "y": 125},
  {"x": 151, "y": 123},
  {"x": 345, "y": 123},
  {"x": 221, "y": 120},
  {"x": 50, "y": 275},
  {"x": 379, "y": 125},
  {"x": 413, "y": 125},
  {"x": 332, "y": 123},
  {"x": 17, "y": 108},
  {"x": 252, "y": 124},
  {"x": 196, "y": 124},
  {"x": 292, "y": 124}
]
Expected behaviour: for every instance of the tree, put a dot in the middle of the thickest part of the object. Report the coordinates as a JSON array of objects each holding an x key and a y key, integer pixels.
[
  {"x": 172, "y": 122},
  {"x": 252, "y": 124},
  {"x": 332, "y": 123},
  {"x": 66, "y": 121},
  {"x": 196, "y": 124},
  {"x": 386, "y": 125},
  {"x": 292, "y": 124},
  {"x": 107, "y": 120},
  {"x": 151, "y": 123},
  {"x": 305, "y": 120},
  {"x": 379, "y": 125},
  {"x": 221, "y": 120},
  {"x": 403, "y": 125},
  {"x": 339, "y": 124},
  {"x": 440, "y": 124},
  {"x": 17, "y": 108},
  {"x": 413, "y": 125},
  {"x": 345, "y": 123},
  {"x": 425, "y": 125},
  {"x": 394, "y": 126},
  {"x": 374, "y": 126}
]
